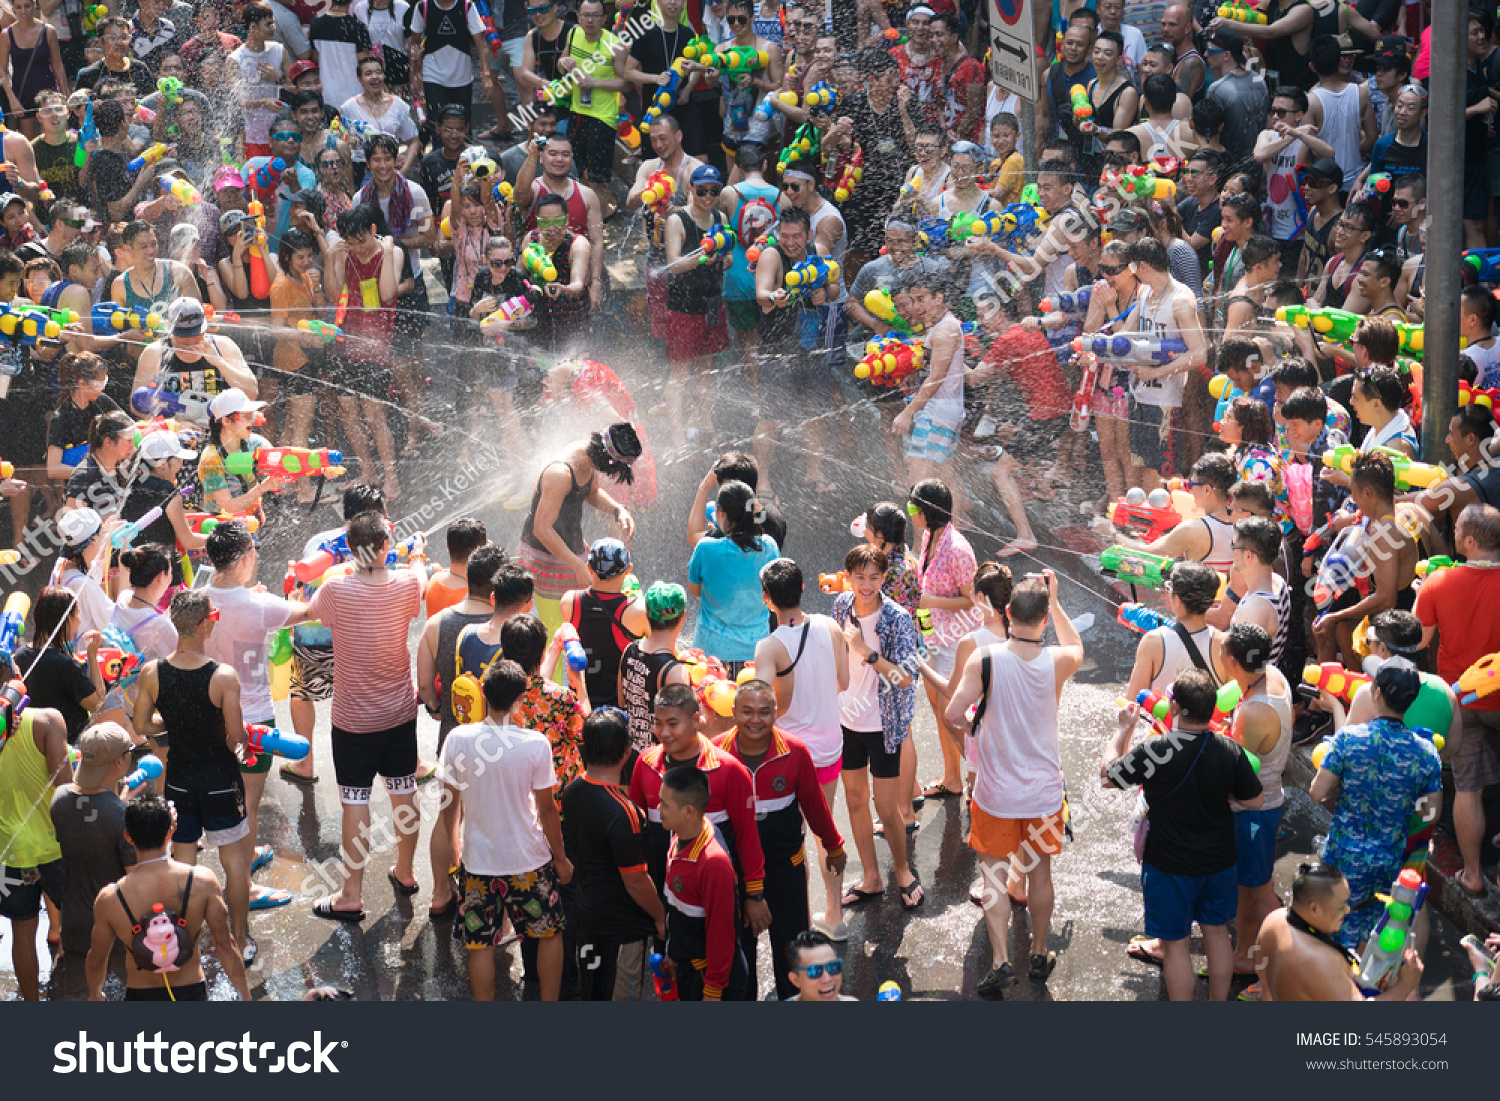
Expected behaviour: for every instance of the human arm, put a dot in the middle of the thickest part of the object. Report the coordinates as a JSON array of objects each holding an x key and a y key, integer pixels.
[
  {"x": 427, "y": 686},
  {"x": 739, "y": 801},
  {"x": 1299, "y": 18},
  {"x": 224, "y": 693},
  {"x": 1067, "y": 655},
  {"x": 698, "y": 513},
  {"x": 145, "y": 720},
  {"x": 1368, "y": 130},
  {"x": 815, "y": 810},
  {"x": 390, "y": 269},
  {"x": 1325, "y": 788},
  {"x": 770, "y": 655},
  {"x": 551, "y": 823},
  {"x": 102, "y": 944},
  {"x": 1190, "y": 330},
  {"x": 945, "y": 342},
  {"x": 600, "y": 501}
]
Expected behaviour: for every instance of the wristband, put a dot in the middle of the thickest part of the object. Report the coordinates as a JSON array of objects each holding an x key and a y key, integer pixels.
[{"x": 1482, "y": 975}]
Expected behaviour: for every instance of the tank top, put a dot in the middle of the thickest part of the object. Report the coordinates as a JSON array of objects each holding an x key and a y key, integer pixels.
[
  {"x": 824, "y": 212},
  {"x": 1105, "y": 112},
  {"x": 767, "y": 27},
  {"x": 166, "y": 290},
  {"x": 194, "y": 725},
  {"x": 697, "y": 291},
  {"x": 1273, "y": 761},
  {"x": 1341, "y": 128},
  {"x": 449, "y": 627},
  {"x": 1280, "y": 599},
  {"x": 369, "y": 318},
  {"x": 947, "y": 405},
  {"x": 1220, "y": 536},
  {"x": 31, "y": 67},
  {"x": 561, "y": 322},
  {"x": 249, "y": 302},
  {"x": 1157, "y": 321},
  {"x": 549, "y": 52},
  {"x": 1016, "y": 758},
  {"x": 578, "y": 210},
  {"x": 26, "y": 835},
  {"x": 472, "y": 657},
  {"x": 1187, "y": 56},
  {"x": 1175, "y": 657},
  {"x": 176, "y": 374},
  {"x": 145, "y": 495},
  {"x": 1284, "y": 207},
  {"x": 739, "y": 280},
  {"x": 569, "y": 523},
  {"x": 641, "y": 675},
  {"x": 1161, "y": 140},
  {"x": 814, "y": 712},
  {"x": 597, "y": 617}
]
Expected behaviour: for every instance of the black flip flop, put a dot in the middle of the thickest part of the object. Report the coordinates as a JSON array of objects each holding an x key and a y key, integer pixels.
[
  {"x": 914, "y": 885},
  {"x": 856, "y": 897},
  {"x": 940, "y": 790},
  {"x": 447, "y": 911},
  {"x": 324, "y": 909},
  {"x": 1136, "y": 951},
  {"x": 402, "y": 888}
]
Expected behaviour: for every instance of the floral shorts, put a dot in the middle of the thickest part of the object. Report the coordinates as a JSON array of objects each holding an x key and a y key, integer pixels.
[{"x": 531, "y": 899}]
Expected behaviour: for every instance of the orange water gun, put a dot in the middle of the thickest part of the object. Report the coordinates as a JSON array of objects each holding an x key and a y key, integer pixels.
[{"x": 260, "y": 276}]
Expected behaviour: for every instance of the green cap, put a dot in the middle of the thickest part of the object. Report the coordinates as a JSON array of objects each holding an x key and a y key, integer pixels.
[{"x": 665, "y": 600}]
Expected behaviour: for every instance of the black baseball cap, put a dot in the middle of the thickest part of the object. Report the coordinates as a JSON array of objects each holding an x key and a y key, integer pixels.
[{"x": 1326, "y": 168}]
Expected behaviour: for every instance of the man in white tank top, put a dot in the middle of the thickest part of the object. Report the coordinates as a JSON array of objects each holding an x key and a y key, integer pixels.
[
  {"x": 806, "y": 660},
  {"x": 1017, "y": 809},
  {"x": 1206, "y": 538},
  {"x": 1341, "y": 111},
  {"x": 1263, "y": 725},
  {"x": 935, "y": 413}
]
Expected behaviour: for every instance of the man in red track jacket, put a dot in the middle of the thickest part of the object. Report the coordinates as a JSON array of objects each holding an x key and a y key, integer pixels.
[{"x": 786, "y": 788}]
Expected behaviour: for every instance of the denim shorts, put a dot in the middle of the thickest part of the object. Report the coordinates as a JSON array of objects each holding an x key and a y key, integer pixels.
[{"x": 1174, "y": 902}]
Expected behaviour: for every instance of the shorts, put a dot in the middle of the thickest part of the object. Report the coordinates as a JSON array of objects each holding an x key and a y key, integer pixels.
[
  {"x": 192, "y": 992},
  {"x": 1114, "y": 402},
  {"x": 593, "y": 147},
  {"x": 1476, "y": 758},
  {"x": 1255, "y": 845},
  {"x": 1036, "y": 440},
  {"x": 1174, "y": 902},
  {"x": 1492, "y": 166},
  {"x": 532, "y": 900},
  {"x": 213, "y": 810},
  {"x": 793, "y": 387},
  {"x": 744, "y": 315},
  {"x": 826, "y": 774},
  {"x": 931, "y": 440},
  {"x": 691, "y": 335},
  {"x": 411, "y": 320},
  {"x": 1476, "y": 192},
  {"x": 312, "y": 673},
  {"x": 1153, "y": 437},
  {"x": 866, "y": 749},
  {"x": 656, "y": 301},
  {"x": 21, "y": 889},
  {"x": 360, "y": 378},
  {"x": 303, "y": 382},
  {"x": 438, "y": 96},
  {"x": 359, "y": 758},
  {"x": 1003, "y": 837},
  {"x": 512, "y": 54}
]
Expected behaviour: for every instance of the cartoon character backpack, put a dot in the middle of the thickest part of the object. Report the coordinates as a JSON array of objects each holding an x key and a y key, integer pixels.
[{"x": 471, "y": 657}]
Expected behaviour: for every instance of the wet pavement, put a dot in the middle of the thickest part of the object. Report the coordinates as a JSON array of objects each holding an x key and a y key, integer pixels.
[{"x": 939, "y": 951}]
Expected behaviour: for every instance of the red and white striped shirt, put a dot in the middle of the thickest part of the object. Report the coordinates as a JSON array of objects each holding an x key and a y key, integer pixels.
[{"x": 373, "y": 685}]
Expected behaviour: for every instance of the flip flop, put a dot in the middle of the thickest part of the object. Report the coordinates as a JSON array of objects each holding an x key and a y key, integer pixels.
[
  {"x": 910, "y": 828},
  {"x": 297, "y": 777},
  {"x": 270, "y": 900},
  {"x": 263, "y": 856},
  {"x": 323, "y": 908},
  {"x": 856, "y": 897},
  {"x": 446, "y": 911},
  {"x": 1483, "y": 887},
  {"x": 1136, "y": 950},
  {"x": 939, "y": 790},
  {"x": 407, "y": 889},
  {"x": 906, "y": 892}
]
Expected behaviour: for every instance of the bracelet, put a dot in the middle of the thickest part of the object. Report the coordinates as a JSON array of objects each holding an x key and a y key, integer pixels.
[{"x": 1486, "y": 976}]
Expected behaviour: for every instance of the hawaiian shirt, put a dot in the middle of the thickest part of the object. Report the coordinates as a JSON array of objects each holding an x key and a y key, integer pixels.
[
  {"x": 554, "y": 711},
  {"x": 1383, "y": 769},
  {"x": 948, "y": 573},
  {"x": 899, "y": 643},
  {"x": 1256, "y": 463},
  {"x": 902, "y": 583}
]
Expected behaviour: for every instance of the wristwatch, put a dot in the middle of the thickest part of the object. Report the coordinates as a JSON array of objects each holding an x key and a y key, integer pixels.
[
  {"x": 757, "y": 896},
  {"x": 872, "y": 657}
]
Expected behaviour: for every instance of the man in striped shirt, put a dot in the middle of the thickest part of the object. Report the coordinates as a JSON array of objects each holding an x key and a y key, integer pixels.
[{"x": 374, "y": 703}]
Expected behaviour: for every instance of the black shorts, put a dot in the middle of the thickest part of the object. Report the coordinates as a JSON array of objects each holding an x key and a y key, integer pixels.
[
  {"x": 192, "y": 992},
  {"x": 211, "y": 807},
  {"x": 303, "y": 382},
  {"x": 411, "y": 319},
  {"x": 21, "y": 889},
  {"x": 358, "y": 378},
  {"x": 593, "y": 147},
  {"x": 866, "y": 749},
  {"x": 437, "y": 97},
  {"x": 359, "y": 758}
]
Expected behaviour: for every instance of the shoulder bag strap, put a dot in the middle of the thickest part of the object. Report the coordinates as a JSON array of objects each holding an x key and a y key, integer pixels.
[
  {"x": 1194, "y": 653},
  {"x": 801, "y": 645},
  {"x": 984, "y": 690}
]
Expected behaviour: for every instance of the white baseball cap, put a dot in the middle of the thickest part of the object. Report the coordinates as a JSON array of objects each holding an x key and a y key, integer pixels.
[
  {"x": 232, "y": 401},
  {"x": 78, "y": 526},
  {"x": 158, "y": 447}
]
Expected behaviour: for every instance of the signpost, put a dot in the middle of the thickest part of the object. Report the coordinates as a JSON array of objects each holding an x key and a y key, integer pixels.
[{"x": 1013, "y": 47}]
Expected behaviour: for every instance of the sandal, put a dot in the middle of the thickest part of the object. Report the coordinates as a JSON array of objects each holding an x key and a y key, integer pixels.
[
  {"x": 854, "y": 896},
  {"x": 407, "y": 889},
  {"x": 1137, "y": 951},
  {"x": 914, "y": 887},
  {"x": 939, "y": 790},
  {"x": 297, "y": 777},
  {"x": 323, "y": 908},
  {"x": 263, "y": 856},
  {"x": 269, "y": 900},
  {"x": 880, "y": 828}
]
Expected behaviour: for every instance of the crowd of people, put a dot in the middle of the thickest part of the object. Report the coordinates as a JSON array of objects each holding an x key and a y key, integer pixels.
[{"x": 1208, "y": 290}]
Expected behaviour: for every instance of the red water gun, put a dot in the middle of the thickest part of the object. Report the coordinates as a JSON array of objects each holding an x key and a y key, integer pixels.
[
  {"x": 1145, "y": 517},
  {"x": 661, "y": 978},
  {"x": 1083, "y": 401}
]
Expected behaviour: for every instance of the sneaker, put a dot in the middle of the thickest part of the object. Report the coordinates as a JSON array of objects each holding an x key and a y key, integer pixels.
[
  {"x": 837, "y": 933},
  {"x": 1311, "y": 726},
  {"x": 1000, "y": 978},
  {"x": 1042, "y": 966},
  {"x": 251, "y": 951},
  {"x": 985, "y": 428}
]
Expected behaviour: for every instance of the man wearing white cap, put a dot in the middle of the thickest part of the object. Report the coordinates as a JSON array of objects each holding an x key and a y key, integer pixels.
[
  {"x": 187, "y": 359},
  {"x": 162, "y": 456}
]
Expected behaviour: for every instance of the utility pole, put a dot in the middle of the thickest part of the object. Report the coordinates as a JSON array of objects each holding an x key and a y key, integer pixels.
[{"x": 1445, "y": 234}]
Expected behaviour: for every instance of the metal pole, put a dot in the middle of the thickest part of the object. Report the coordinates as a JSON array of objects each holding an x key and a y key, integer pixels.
[{"x": 1445, "y": 234}]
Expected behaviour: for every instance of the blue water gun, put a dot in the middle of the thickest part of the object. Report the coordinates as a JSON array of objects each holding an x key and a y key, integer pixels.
[
  {"x": 822, "y": 97},
  {"x": 88, "y": 132},
  {"x": 1481, "y": 265},
  {"x": 1140, "y": 618},
  {"x": 12, "y": 621},
  {"x": 1140, "y": 350}
]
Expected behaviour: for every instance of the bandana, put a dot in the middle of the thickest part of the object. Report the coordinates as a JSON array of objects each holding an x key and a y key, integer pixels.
[
  {"x": 796, "y": 174},
  {"x": 611, "y": 450},
  {"x": 665, "y": 600},
  {"x": 609, "y": 558}
]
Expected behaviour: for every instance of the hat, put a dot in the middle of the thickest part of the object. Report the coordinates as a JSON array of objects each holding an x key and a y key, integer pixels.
[
  {"x": 1227, "y": 38},
  {"x": 1398, "y": 682},
  {"x": 228, "y": 175},
  {"x": 79, "y": 97},
  {"x": 301, "y": 68},
  {"x": 706, "y": 174},
  {"x": 665, "y": 600},
  {"x": 311, "y": 198},
  {"x": 1393, "y": 52},
  {"x": 230, "y": 402},
  {"x": 1129, "y": 220},
  {"x": 78, "y": 527},
  {"x": 608, "y": 558},
  {"x": 1325, "y": 168},
  {"x": 99, "y": 747},
  {"x": 8, "y": 197},
  {"x": 1347, "y": 45},
  {"x": 186, "y": 317},
  {"x": 160, "y": 446},
  {"x": 231, "y": 220}
]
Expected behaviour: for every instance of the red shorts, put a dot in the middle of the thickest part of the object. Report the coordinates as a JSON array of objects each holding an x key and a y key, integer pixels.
[
  {"x": 690, "y": 335},
  {"x": 656, "y": 304}
]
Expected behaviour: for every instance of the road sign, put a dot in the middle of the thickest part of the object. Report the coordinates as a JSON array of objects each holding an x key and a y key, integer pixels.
[{"x": 1013, "y": 47}]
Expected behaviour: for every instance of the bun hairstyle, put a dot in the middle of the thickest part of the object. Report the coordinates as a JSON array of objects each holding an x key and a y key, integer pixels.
[
  {"x": 887, "y": 521},
  {"x": 146, "y": 563},
  {"x": 613, "y": 450},
  {"x": 740, "y": 515},
  {"x": 993, "y": 581}
]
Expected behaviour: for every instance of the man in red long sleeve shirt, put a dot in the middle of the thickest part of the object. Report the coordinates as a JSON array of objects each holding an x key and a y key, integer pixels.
[
  {"x": 731, "y": 803},
  {"x": 702, "y": 947},
  {"x": 786, "y": 788}
]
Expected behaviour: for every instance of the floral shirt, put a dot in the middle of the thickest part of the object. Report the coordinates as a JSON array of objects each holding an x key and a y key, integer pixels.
[
  {"x": 214, "y": 477},
  {"x": 903, "y": 583},
  {"x": 949, "y": 571},
  {"x": 1257, "y": 463},
  {"x": 1337, "y": 420},
  {"x": 1383, "y": 769},
  {"x": 899, "y": 642},
  {"x": 554, "y": 711}
]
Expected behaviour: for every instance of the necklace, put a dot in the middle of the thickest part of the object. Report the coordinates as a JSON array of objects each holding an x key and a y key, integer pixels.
[
  {"x": 153, "y": 860},
  {"x": 1022, "y": 638}
]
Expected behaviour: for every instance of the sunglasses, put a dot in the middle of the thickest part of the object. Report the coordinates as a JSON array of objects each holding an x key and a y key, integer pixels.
[
  {"x": 286, "y": 135},
  {"x": 501, "y": 263},
  {"x": 540, "y": 9},
  {"x": 1401, "y": 204},
  {"x": 792, "y": 186},
  {"x": 707, "y": 189},
  {"x": 1112, "y": 269},
  {"x": 733, "y": 19},
  {"x": 1281, "y": 112},
  {"x": 815, "y": 970},
  {"x": 552, "y": 223}
]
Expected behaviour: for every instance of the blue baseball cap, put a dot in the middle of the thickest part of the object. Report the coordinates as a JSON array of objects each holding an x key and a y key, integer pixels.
[{"x": 706, "y": 174}]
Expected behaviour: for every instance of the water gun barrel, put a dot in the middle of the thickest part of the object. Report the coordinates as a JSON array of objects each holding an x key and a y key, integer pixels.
[
  {"x": 148, "y": 768},
  {"x": 577, "y": 657},
  {"x": 327, "y": 331},
  {"x": 1140, "y": 618},
  {"x": 1138, "y": 567},
  {"x": 269, "y": 739},
  {"x": 127, "y": 533}
]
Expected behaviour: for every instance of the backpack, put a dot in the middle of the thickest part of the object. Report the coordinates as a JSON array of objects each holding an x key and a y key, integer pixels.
[
  {"x": 754, "y": 218},
  {"x": 468, "y": 696}
]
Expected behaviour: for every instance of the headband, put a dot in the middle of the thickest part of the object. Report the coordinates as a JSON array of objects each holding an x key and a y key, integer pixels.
[
  {"x": 611, "y": 450},
  {"x": 796, "y": 174}
]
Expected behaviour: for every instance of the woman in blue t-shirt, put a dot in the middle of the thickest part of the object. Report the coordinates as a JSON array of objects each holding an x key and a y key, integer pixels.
[{"x": 724, "y": 573}]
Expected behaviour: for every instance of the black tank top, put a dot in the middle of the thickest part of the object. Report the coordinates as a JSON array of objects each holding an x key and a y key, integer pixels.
[
  {"x": 177, "y": 374},
  {"x": 548, "y": 54},
  {"x": 691, "y": 292},
  {"x": 569, "y": 524},
  {"x": 145, "y": 495},
  {"x": 642, "y": 673},
  {"x": 604, "y": 638},
  {"x": 561, "y": 321},
  {"x": 195, "y": 727}
]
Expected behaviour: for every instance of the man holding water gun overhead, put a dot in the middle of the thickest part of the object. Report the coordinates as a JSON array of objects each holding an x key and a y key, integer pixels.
[{"x": 189, "y": 358}]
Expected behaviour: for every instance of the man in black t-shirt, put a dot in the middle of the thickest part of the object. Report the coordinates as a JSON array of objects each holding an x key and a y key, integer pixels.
[
  {"x": 1188, "y": 864},
  {"x": 114, "y": 35},
  {"x": 697, "y": 108},
  {"x": 604, "y": 835}
]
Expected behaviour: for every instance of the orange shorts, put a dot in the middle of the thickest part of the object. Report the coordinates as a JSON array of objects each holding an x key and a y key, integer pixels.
[{"x": 1001, "y": 837}]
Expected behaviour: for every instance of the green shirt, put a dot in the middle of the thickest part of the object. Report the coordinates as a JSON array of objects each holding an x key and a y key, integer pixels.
[{"x": 602, "y": 105}]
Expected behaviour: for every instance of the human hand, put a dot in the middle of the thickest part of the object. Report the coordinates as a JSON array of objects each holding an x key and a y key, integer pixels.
[
  {"x": 757, "y": 915},
  {"x": 836, "y": 862}
]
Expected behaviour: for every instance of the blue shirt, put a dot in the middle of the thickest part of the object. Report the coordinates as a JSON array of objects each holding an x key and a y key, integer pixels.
[
  {"x": 294, "y": 179},
  {"x": 900, "y": 645},
  {"x": 731, "y": 616}
]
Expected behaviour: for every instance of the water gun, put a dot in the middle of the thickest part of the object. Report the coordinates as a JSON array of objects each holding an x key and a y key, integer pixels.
[
  {"x": 358, "y": 127},
  {"x": 1153, "y": 703},
  {"x": 627, "y": 131},
  {"x": 1429, "y": 566},
  {"x": 665, "y": 96},
  {"x": 1481, "y": 265},
  {"x": 203, "y": 523},
  {"x": 1140, "y": 350},
  {"x": 766, "y": 108},
  {"x": 538, "y": 264},
  {"x": 1468, "y": 394},
  {"x": 268, "y": 173},
  {"x": 148, "y": 769},
  {"x": 108, "y": 318},
  {"x": 1144, "y": 517},
  {"x": 1386, "y": 948},
  {"x": 716, "y": 244},
  {"x": 23, "y": 327},
  {"x": 153, "y": 153},
  {"x": 700, "y": 50},
  {"x": 260, "y": 276},
  {"x": 189, "y": 405},
  {"x": 57, "y": 317},
  {"x": 260, "y": 738},
  {"x": 216, "y": 320},
  {"x": 658, "y": 193},
  {"x": 327, "y": 330},
  {"x": 822, "y": 97},
  {"x": 879, "y": 303},
  {"x": 811, "y": 273},
  {"x": 145, "y": 114},
  {"x": 1066, "y": 303},
  {"x": 13, "y": 701},
  {"x": 889, "y": 359},
  {"x": 1333, "y": 678},
  {"x": 1224, "y": 391},
  {"x": 1409, "y": 473},
  {"x": 116, "y": 663},
  {"x": 718, "y": 694},
  {"x": 965, "y": 225},
  {"x": 92, "y": 13},
  {"x": 932, "y": 235},
  {"x": 1083, "y": 399},
  {"x": 740, "y": 59},
  {"x": 833, "y": 582},
  {"x": 332, "y": 551},
  {"x": 661, "y": 978},
  {"x": 908, "y": 189},
  {"x": 169, "y": 88},
  {"x": 1225, "y": 701},
  {"x": 1335, "y": 326},
  {"x": 184, "y": 192},
  {"x": 512, "y": 309},
  {"x": 1083, "y": 109},
  {"x": 481, "y": 165},
  {"x": 129, "y": 531},
  {"x": 1140, "y": 618},
  {"x": 283, "y": 462},
  {"x": 1410, "y": 338},
  {"x": 890, "y": 990},
  {"x": 17, "y": 607},
  {"x": 1478, "y": 680},
  {"x": 577, "y": 657},
  {"x": 491, "y": 35},
  {"x": 806, "y": 144},
  {"x": 1377, "y": 186},
  {"x": 1242, "y": 12},
  {"x": 1137, "y": 183},
  {"x": 849, "y": 176},
  {"x": 1137, "y": 567},
  {"x": 88, "y": 133},
  {"x": 1019, "y": 222},
  {"x": 924, "y": 621}
]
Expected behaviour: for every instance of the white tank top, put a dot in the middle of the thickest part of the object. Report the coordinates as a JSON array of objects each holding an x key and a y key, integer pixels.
[
  {"x": 947, "y": 405},
  {"x": 1158, "y": 321},
  {"x": 1273, "y": 762},
  {"x": 1281, "y": 189},
  {"x": 1341, "y": 128},
  {"x": 1220, "y": 537},
  {"x": 814, "y": 713},
  {"x": 828, "y": 210},
  {"x": 1174, "y": 655},
  {"x": 1017, "y": 763},
  {"x": 1162, "y": 144},
  {"x": 1280, "y": 599}
]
